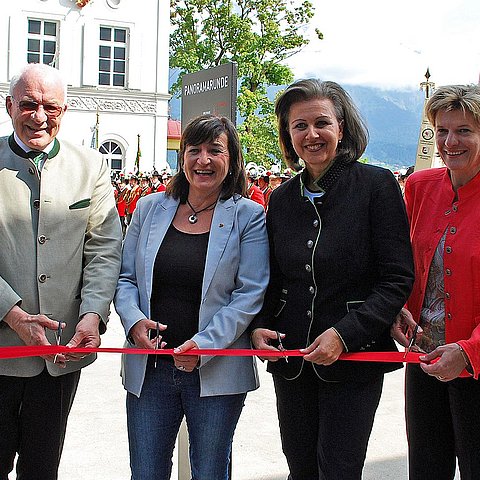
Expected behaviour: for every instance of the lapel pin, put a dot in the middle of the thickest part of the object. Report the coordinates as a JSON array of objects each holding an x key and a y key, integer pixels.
[{"x": 220, "y": 225}]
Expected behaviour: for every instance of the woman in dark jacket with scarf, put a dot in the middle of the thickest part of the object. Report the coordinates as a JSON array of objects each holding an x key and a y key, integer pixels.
[{"x": 341, "y": 269}]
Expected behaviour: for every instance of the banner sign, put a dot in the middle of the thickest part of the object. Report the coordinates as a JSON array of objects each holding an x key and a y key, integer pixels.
[
  {"x": 213, "y": 91},
  {"x": 426, "y": 145}
]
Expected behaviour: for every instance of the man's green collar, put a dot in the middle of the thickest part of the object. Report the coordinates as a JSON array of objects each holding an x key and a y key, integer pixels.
[{"x": 22, "y": 153}]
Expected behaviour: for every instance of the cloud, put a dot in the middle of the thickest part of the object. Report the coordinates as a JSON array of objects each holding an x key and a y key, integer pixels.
[{"x": 390, "y": 44}]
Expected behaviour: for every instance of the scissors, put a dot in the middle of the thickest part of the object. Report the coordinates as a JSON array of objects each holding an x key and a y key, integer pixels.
[
  {"x": 280, "y": 345},
  {"x": 58, "y": 338},
  {"x": 412, "y": 341}
]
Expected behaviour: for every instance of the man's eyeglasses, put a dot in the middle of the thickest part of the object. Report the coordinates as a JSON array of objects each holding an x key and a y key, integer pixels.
[{"x": 51, "y": 110}]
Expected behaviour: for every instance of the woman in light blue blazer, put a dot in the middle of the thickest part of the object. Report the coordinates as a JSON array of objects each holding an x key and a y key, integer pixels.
[{"x": 194, "y": 272}]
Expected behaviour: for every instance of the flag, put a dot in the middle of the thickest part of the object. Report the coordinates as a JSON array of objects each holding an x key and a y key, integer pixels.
[
  {"x": 139, "y": 154},
  {"x": 94, "y": 141}
]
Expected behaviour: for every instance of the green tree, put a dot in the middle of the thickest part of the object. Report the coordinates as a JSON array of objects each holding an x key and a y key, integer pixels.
[{"x": 259, "y": 35}]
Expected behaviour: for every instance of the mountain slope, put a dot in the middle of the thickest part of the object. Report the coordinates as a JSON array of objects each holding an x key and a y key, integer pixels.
[{"x": 393, "y": 119}]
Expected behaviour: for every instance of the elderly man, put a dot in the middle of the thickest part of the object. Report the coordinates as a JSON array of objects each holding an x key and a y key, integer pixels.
[{"x": 60, "y": 243}]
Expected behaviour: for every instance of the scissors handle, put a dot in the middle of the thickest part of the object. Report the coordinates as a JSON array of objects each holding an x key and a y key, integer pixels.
[
  {"x": 280, "y": 345},
  {"x": 156, "y": 342}
]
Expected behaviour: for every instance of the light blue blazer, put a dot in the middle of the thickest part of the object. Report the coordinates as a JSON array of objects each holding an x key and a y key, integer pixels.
[{"x": 235, "y": 279}]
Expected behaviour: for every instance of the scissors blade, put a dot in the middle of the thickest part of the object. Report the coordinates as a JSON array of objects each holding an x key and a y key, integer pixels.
[
  {"x": 58, "y": 338},
  {"x": 412, "y": 341}
]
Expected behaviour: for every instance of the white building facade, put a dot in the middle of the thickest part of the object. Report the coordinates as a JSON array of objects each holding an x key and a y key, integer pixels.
[{"x": 113, "y": 55}]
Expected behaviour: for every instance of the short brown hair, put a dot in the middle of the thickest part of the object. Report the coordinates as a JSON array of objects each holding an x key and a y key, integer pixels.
[
  {"x": 355, "y": 133},
  {"x": 207, "y": 128}
]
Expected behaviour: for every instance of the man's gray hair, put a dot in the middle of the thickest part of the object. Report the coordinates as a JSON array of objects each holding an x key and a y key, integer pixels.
[{"x": 45, "y": 70}]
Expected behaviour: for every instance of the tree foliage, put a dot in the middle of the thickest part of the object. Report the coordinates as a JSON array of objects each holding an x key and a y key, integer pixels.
[{"x": 259, "y": 35}]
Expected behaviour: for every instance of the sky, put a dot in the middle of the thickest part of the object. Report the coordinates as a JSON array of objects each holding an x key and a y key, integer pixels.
[{"x": 390, "y": 44}]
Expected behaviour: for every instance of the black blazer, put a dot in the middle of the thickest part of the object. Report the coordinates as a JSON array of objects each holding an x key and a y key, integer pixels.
[{"x": 345, "y": 262}]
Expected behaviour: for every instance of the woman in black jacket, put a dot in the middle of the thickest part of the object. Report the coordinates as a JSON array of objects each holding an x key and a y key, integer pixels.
[{"x": 341, "y": 270}]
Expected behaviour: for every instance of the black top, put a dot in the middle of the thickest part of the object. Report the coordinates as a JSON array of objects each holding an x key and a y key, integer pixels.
[{"x": 177, "y": 284}]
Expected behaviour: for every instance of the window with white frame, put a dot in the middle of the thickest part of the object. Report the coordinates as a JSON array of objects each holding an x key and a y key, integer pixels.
[
  {"x": 112, "y": 152},
  {"x": 112, "y": 59},
  {"x": 42, "y": 42}
]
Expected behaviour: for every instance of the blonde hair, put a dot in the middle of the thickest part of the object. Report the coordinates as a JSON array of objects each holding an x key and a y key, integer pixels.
[{"x": 454, "y": 97}]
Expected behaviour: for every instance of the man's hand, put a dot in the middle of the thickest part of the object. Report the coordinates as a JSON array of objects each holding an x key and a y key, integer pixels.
[
  {"x": 87, "y": 335},
  {"x": 31, "y": 330}
]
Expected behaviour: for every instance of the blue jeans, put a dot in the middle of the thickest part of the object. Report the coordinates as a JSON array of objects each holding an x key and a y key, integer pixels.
[{"x": 154, "y": 419}]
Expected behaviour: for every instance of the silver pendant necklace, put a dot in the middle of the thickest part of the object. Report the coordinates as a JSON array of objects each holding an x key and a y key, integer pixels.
[{"x": 193, "y": 218}]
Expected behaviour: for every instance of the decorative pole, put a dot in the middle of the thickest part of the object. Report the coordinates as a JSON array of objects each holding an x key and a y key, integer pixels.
[
  {"x": 139, "y": 154},
  {"x": 427, "y": 86},
  {"x": 97, "y": 127},
  {"x": 426, "y": 140}
]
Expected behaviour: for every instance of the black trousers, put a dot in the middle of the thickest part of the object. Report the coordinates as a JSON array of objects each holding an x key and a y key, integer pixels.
[
  {"x": 443, "y": 422},
  {"x": 33, "y": 420},
  {"x": 325, "y": 426}
]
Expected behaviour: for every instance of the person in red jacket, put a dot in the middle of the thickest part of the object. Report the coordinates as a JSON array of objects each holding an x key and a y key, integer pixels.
[
  {"x": 145, "y": 186},
  {"x": 134, "y": 193},
  {"x": 120, "y": 200},
  {"x": 253, "y": 191},
  {"x": 264, "y": 185},
  {"x": 157, "y": 184},
  {"x": 443, "y": 206}
]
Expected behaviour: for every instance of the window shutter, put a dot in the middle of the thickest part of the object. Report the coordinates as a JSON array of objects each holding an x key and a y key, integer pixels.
[
  {"x": 68, "y": 53},
  {"x": 134, "y": 67},
  {"x": 18, "y": 44},
  {"x": 90, "y": 54}
]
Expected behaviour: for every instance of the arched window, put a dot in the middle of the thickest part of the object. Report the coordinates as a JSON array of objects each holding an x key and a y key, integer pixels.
[{"x": 113, "y": 153}]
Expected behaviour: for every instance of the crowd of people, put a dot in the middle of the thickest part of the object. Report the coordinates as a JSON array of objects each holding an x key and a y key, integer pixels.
[
  {"x": 335, "y": 259},
  {"x": 130, "y": 188},
  {"x": 127, "y": 190},
  {"x": 262, "y": 182},
  {"x": 402, "y": 176}
]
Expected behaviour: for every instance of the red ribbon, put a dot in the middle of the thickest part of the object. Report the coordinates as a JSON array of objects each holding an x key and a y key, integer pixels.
[{"x": 39, "y": 350}]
